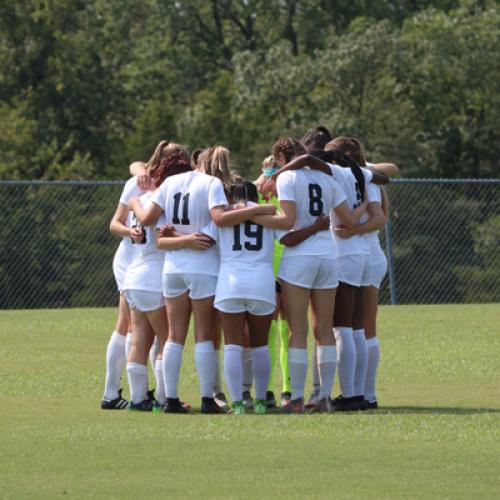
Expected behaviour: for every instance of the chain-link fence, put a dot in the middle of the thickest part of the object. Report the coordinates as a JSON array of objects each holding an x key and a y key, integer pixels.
[{"x": 442, "y": 242}]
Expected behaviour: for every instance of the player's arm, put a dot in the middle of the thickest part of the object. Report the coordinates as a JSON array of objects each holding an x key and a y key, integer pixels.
[
  {"x": 226, "y": 218},
  {"x": 376, "y": 221},
  {"x": 293, "y": 238},
  {"x": 283, "y": 220},
  {"x": 146, "y": 217},
  {"x": 348, "y": 217},
  {"x": 117, "y": 225},
  {"x": 176, "y": 240},
  {"x": 138, "y": 169},
  {"x": 387, "y": 169}
]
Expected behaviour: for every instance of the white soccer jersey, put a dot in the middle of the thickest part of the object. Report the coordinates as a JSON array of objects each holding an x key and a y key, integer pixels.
[
  {"x": 126, "y": 251},
  {"x": 144, "y": 273},
  {"x": 246, "y": 266},
  {"x": 357, "y": 244},
  {"x": 314, "y": 194},
  {"x": 186, "y": 200}
]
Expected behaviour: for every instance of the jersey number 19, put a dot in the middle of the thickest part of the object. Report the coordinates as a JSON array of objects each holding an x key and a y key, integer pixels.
[{"x": 253, "y": 232}]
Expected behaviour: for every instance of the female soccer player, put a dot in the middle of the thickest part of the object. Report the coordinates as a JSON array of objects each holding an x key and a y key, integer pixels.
[
  {"x": 121, "y": 225},
  {"x": 308, "y": 271},
  {"x": 245, "y": 294},
  {"x": 378, "y": 267},
  {"x": 189, "y": 201},
  {"x": 143, "y": 290}
]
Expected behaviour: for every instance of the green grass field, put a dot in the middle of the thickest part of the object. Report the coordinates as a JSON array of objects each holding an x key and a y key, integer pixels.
[{"x": 436, "y": 436}]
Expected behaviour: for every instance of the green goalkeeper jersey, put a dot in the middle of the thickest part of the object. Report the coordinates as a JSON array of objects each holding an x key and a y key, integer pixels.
[{"x": 278, "y": 248}]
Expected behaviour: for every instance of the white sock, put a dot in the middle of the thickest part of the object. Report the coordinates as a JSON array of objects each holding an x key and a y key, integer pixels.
[
  {"x": 153, "y": 352},
  {"x": 373, "y": 346},
  {"x": 327, "y": 362},
  {"x": 346, "y": 360},
  {"x": 361, "y": 361},
  {"x": 171, "y": 362},
  {"x": 128, "y": 344},
  {"x": 137, "y": 381},
  {"x": 297, "y": 364},
  {"x": 217, "y": 381},
  {"x": 233, "y": 370},
  {"x": 204, "y": 359},
  {"x": 315, "y": 370},
  {"x": 160, "y": 383},
  {"x": 247, "y": 369},
  {"x": 262, "y": 370},
  {"x": 115, "y": 363}
]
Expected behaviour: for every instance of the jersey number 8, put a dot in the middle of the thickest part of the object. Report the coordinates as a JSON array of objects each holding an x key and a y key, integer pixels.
[{"x": 315, "y": 201}]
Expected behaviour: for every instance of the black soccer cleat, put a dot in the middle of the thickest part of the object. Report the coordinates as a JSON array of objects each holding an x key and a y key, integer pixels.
[
  {"x": 341, "y": 403},
  {"x": 144, "y": 405},
  {"x": 361, "y": 403},
  {"x": 209, "y": 406},
  {"x": 174, "y": 405},
  {"x": 115, "y": 404},
  {"x": 371, "y": 405},
  {"x": 270, "y": 400}
]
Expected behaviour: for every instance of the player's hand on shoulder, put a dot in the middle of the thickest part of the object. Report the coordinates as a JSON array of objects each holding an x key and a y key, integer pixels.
[{"x": 145, "y": 182}]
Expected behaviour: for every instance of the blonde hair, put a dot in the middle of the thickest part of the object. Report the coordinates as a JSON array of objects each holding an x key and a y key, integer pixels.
[
  {"x": 162, "y": 151},
  {"x": 215, "y": 161}
]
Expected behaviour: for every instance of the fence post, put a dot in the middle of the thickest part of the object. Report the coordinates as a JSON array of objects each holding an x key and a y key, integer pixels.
[{"x": 390, "y": 258}]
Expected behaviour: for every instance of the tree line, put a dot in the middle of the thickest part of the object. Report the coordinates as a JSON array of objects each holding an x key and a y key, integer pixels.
[{"x": 88, "y": 86}]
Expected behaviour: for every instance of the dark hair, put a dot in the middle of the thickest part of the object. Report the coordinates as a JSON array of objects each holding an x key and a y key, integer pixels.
[
  {"x": 351, "y": 146},
  {"x": 244, "y": 190},
  {"x": 176, "y": 163},
  {"x": 317, "y": 138},
  {"x": 334, "y": 155},
  {"x": 288, "y": 147},
  {"x": 195, "y": 155}
]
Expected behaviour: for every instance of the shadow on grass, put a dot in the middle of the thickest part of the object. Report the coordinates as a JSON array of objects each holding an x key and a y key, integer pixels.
[{"x": 438, "y": 410}]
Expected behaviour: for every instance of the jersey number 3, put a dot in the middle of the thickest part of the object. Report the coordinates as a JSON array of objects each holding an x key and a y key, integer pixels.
[
  {"x": 185, "y": 209},
  {"x": 315, "y": 201},
  {"x": 253, "y": 231}
]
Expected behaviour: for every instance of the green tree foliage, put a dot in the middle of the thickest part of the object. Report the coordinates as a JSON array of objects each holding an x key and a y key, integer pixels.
[{"x": 88, "y": 86}]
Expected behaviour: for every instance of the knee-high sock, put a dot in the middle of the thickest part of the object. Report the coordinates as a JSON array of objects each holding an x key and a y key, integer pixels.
[
  {"x": 217, "y": 381},
  {"x": 138, "y": 381},
  {"x": 315, "y": 370},
  {"x": 153, "y": 352},
  {"x": 285, "y": 372},
  {"x": 204, "y": 359},
  {"x": 373, "y": 346},
  {"x": 273, "y": 354},
  {"x": 247, "y": 369},
  {"x": 327, "y": 362},
  {"x": 361, "y": 361},
  {"x": 115, "y": 363},
  {"x": 346, "y": 360},
  {"x": 233, "y": 370},
  {"x": 262, "y": 370},
  {"x": 171, "y": 363},
  {"x": 128, "y": 344},
  {"x": 160, "y": 383},
  {"x": 297, "y": 361}
]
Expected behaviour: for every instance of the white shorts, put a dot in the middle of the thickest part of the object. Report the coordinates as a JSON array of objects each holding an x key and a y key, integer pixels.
[
  {"x": 308, "y": 271},
  {"x": 378, "y": 268},
  {"x": 200, "y": 286},
  {"x": 252, "y": 306},
  {"x": 354, "y": 270},
  {"x": 144, "y": 301},
  {"x": 124, "y": 256}
]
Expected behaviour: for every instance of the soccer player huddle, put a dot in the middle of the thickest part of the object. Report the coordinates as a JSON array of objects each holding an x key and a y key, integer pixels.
[{"x": 251, "y": 262}]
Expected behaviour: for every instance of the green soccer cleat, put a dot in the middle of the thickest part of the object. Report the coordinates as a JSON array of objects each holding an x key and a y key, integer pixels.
[
  {"x": 237, "y": 408},
  {"x": 260, "y": 406}
]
